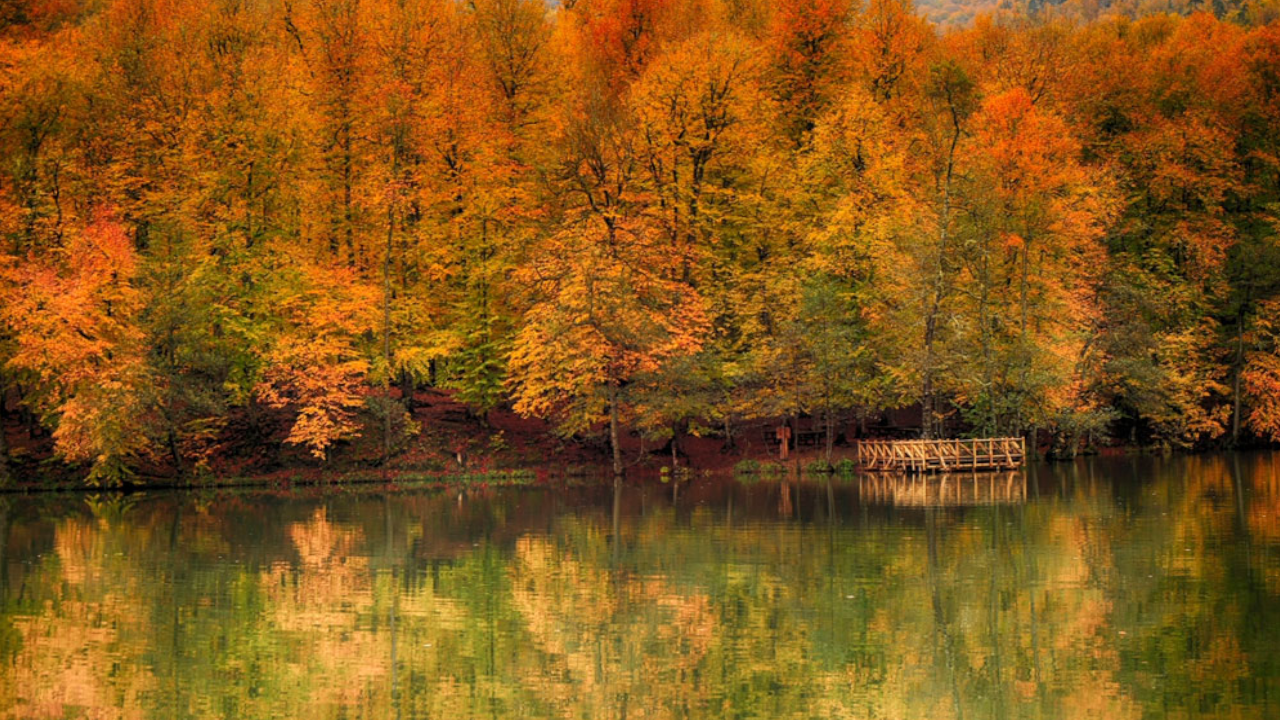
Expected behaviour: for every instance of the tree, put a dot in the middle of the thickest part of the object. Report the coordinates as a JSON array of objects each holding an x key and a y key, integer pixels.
[
  {"x": 806, "y": 48},
  {"x": 951, "y": 99},
  {"x": 605, "y": 313},
  {"x": 315, "y": 364},
  {"x": 1173, "y": 136},
  {"x": 1031, "y": 266},
  {"x": 74, "y": 317},
  {"x": 1261, "y": 373}
]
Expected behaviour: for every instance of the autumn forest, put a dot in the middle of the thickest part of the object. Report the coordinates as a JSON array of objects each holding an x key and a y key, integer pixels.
[{"x": 282, "y": 217}]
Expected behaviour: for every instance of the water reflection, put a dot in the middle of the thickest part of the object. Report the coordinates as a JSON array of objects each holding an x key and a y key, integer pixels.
[
  {"x": 944, "y": 489},
  {"x": 1121, "y": 589}
]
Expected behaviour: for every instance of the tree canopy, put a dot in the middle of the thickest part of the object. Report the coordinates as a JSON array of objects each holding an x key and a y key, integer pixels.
[{"x": 649, "y": 214}]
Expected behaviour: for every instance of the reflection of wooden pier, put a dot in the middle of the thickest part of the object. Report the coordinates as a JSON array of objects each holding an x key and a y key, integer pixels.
[
  {"x": 919, "y": 456},
  {"x": 945, "y": 490}
]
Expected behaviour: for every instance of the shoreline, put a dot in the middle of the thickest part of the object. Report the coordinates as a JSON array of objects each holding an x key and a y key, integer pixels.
[{"x": 748, "y": 467}]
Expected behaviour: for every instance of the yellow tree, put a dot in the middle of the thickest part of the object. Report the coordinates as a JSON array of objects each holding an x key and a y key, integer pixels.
[
  {"x": 852, "y": 184},
  {"x": 328, "y": 52},
  {"x": 696, "y": 114},
  {"x": 476, "y": 181},
  {"x": 697, "y": 111},
  {"x": 1162, "y": 103},
  {"x": 925, "y": 228},
  {"x": 807, "y": 48},
  {"x": 1031, "y": 266},
  {"x": 888, "y": 43},
  {"x": 315, "y": 360},
  {"x": 607, "y": 311},
  {"x": 74, "y": 315},
  {"x": 608, "y": 298},
  {"x": 1261, "y": 373}
]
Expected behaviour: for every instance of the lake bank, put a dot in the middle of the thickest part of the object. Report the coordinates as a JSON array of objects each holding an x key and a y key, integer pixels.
[{"x": 454, "y": 447}]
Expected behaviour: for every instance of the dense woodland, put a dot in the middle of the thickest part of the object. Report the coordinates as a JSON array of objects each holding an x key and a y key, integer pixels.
[{"x": 663, "y": 216}]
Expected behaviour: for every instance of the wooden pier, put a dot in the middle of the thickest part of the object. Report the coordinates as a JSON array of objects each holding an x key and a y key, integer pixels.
[{"x": 925, "y": 456}]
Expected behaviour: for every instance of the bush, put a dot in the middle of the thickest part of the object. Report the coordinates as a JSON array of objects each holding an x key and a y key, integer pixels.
[
  {"x": 499, "y": 478},
  {"x": 846, "y": 467},
  {"x": 403, "y": 426},
  {"x": 818, "y": 467},
  {"x": 747, "y": 467}
]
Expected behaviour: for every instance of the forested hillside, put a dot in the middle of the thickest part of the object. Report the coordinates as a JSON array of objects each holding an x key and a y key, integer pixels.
[
  {"x": 964, "y": 12},
  {"x": 667, "y": 216}
]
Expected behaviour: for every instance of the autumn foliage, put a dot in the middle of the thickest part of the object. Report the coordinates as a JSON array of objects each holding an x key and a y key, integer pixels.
[{"x": 667, "y": 216}]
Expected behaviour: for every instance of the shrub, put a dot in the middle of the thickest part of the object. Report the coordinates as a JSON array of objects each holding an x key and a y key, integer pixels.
[{"x": 818, "y": 467}]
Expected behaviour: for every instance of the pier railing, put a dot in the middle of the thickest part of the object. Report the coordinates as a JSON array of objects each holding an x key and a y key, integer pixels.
[{"x": 940, "y": 455}]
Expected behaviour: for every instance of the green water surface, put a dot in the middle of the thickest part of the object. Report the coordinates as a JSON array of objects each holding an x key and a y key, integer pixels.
[{"x": 1123, "y": 588}]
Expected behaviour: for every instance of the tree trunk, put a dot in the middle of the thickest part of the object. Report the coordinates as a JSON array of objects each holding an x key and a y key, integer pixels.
[
  {"x": 830, "y": 433},
  {"x": 386, "y": 337},
  {"x": 675, "y": 459},
  {"x": 1025, "y": 370},
  {"x": 613, "y": 429},
  {"x": 27, "y": 420},
  {"x": 1235, "y": 382},
  {"x": 826, "y": 417},
  {"x": 348, "y": 179},
  {"x": 988, "y": 367},
  {"x": 5, "y": 474},
  {"x": 171, "y": 440},
  {"x": 4, "y": 546},
  {"x": 407, "y": 387},
  {"x": 793, "y": 441},
  {"x": 927, "y": 401},
  {"x": 926, "y": 391}
]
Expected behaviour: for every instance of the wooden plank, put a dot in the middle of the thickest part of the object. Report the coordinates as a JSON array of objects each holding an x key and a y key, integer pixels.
[{"x": 940, "y": 455}]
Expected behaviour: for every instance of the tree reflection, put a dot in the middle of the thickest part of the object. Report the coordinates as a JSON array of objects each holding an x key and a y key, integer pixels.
[{"x": 1109, "y": 589}]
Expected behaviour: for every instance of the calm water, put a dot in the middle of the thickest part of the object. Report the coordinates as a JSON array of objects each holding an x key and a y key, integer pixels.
[{"x": 1108, "y": 589}]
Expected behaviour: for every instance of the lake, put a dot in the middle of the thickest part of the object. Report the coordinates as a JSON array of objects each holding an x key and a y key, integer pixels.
[{"x": 1109, "y": 588}]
